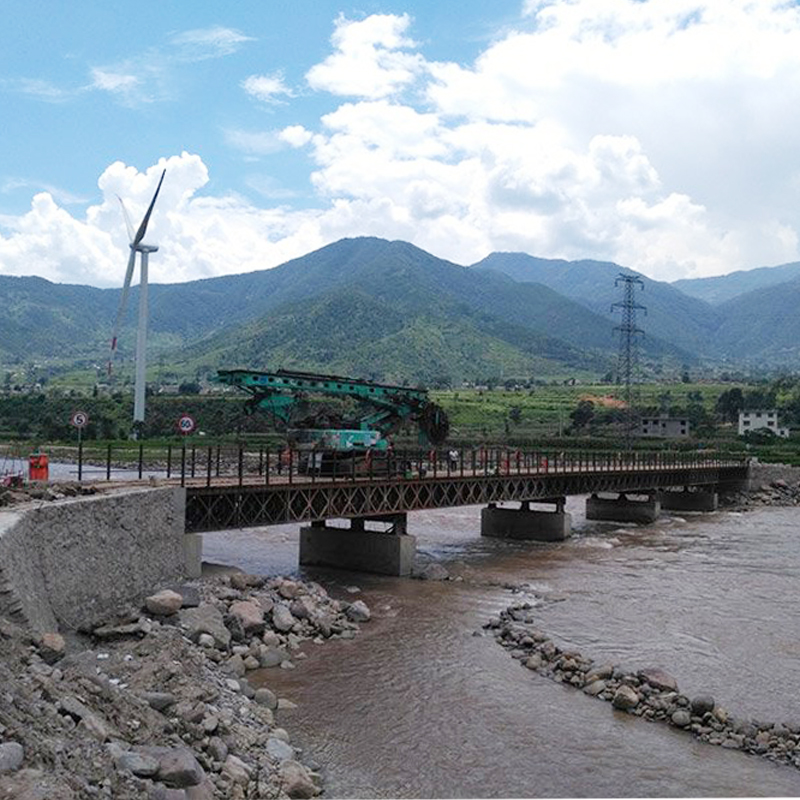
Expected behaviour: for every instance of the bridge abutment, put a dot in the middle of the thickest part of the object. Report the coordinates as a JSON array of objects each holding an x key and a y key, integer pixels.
[
  {"x": 689, "y": 500},
  {"x": 386, "y": 552},
  {"x": 622, "y": 509},
  {"x": 527, "y": 523}
]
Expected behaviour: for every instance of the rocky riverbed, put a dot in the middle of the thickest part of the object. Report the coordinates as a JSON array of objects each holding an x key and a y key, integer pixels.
[
  {"x": 168, "y": 701},
  {"x": 652, "y": 694}
]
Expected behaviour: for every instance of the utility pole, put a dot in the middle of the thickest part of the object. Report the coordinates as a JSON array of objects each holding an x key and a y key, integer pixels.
[{"x": 629, "y": 335}]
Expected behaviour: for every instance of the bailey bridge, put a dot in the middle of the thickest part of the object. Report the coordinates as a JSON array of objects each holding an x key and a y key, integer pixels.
[{"x": 625, "y": 487}]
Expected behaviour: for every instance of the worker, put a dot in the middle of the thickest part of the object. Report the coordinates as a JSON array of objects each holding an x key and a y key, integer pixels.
[{"x": 453, "y": 457}]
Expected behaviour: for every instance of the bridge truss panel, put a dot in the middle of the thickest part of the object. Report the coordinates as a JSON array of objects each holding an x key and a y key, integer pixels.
[{"x": 211, "y": 508}]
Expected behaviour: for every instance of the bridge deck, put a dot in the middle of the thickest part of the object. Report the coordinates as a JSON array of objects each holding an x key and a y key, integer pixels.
[{"x": 216, "y": 504}]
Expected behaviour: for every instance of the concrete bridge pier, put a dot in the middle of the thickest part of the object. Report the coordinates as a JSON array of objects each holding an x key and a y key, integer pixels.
[
  {"x": 689, "y": 500},
  {"x": 389, "y": 551},
  {"x": 527, "y": 523},
  {"x": 623, "y": 508}
]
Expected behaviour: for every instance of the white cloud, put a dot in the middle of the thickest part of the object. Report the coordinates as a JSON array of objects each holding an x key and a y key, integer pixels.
[
  {"x": 370, "y": 58},
  {"x": 660, "y": 134},
  {"x": 202, "y": 43},
  {"x": 255, "y": 142},
  {"x": 267, "y": 88}
]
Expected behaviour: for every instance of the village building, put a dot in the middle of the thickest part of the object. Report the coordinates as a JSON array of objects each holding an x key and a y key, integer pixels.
[
  {"x": 756, "y": 419},
  {"x": 664, "y": 427}
]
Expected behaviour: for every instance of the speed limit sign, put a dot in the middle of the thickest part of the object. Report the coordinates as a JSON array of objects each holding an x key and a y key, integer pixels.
[
  {"x": 79, "y": 419},
  {"x": 186, "y": 424}
]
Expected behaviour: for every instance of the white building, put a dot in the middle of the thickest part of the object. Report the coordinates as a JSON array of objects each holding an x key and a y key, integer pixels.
[
  {"x": 664, "y": 427},
  {"x": 759, "y": 418}
]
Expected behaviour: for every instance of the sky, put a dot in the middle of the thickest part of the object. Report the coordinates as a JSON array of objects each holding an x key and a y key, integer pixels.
[{"x": 658, "y": 134}]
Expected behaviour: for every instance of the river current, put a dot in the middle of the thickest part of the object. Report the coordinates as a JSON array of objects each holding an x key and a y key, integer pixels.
[{"x": 424, "y": 703}]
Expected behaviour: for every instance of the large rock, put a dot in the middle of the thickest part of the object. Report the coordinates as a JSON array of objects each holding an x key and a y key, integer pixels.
[
  {"x": 205, "y": 619},
  {"x": 282, "y": 618},
  {"x": 625, "y": 698},
  {"x": 52, "y": 647},
  {"x": 702, "y": 704},
  {"x": 11, "y": 756},
  {"x": 659, "y": 679},
  {"x": 272, "y": 656},
  {"x": 248, "y": 617},
  {"x": 266, "y": 697},
  {"x": 179, "y": 768},
  {"x": 279, "y": 750},
  {"x": 681, "y": 718},
  {"x": 358, "y": 611},
  {"x": 140, "y": 764},
  {"x": 236, "y": 771},
  {"x": 164, "y": 603},
  {"x": 430, "y": 572},
  {"x": 303, "y": 607},
  {"x": 296, "y": 780}
]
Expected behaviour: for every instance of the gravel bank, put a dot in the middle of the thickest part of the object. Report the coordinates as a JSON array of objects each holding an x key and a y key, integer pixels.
[{"x": 169, "y": 701}]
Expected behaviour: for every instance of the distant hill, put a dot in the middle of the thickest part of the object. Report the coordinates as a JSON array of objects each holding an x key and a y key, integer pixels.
[
  {"x": 722, "y": 288},
  {"x": 389, "y": 310},
  {"x": 762, "y": 327},
  {"x": 672, "y": 316}
]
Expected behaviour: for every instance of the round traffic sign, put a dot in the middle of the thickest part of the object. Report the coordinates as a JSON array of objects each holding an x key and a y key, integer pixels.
[
  {"x": 186, "y": 424},
  {"x": 80, "y": 419}
]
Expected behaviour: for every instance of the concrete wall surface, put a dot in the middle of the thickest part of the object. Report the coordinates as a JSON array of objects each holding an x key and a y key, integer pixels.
[{"x": 73, "y": 563}]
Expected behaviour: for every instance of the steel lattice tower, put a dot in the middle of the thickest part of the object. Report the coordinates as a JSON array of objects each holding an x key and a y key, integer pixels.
[{"x": 629, "y": 335}]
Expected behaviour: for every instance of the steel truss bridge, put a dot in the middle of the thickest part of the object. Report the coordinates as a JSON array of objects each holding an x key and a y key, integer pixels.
[{"x": 269, "y": 499}]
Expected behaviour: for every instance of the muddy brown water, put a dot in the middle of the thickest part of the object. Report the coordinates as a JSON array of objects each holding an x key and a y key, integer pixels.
[{"x": 418, "y": 705}]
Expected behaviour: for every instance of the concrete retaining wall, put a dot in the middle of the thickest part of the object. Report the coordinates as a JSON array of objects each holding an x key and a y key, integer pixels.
[{"x": 68, "y": 564}]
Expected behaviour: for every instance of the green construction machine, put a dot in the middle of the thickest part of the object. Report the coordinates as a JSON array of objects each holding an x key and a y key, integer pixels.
[{"x": 353, "y": 438}]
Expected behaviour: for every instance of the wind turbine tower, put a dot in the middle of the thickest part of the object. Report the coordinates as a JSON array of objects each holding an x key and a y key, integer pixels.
[{"x": 137, "y": 245}]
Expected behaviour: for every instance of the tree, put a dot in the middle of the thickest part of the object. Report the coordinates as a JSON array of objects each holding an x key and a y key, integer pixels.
[
  {"x": 582, "y": 414},
  {"x": 729, "y": 404},
  {"x": 189, "y": 387}
]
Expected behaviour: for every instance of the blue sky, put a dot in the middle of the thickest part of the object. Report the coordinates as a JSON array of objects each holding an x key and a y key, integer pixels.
[{"x": 660, "y": 134}]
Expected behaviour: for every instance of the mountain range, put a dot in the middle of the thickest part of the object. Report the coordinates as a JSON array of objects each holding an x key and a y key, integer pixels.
[{"x": 388, "y": 310}]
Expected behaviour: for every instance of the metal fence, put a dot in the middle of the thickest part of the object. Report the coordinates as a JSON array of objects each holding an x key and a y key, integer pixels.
[{"x": 194, "y": 464}]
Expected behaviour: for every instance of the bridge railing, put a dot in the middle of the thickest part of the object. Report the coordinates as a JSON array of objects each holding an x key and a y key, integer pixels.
[{"x": 209, "y": 464}]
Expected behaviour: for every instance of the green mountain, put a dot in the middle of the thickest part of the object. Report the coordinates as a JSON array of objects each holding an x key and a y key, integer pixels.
[
  {"x": 722, "y": 288},
  {"x": 685, "y": 322},
  {"x": 761, "y": 327}
]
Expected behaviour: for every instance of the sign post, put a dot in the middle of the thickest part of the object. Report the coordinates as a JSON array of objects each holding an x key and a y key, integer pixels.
[{"x": 79, "y": 420}]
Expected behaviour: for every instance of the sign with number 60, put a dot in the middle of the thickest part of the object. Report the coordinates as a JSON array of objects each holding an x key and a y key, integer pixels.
[{"x": 186, "y": 424}]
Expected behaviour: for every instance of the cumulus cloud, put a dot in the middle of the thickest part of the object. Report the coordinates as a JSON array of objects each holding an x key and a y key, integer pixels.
[
  {"x": 370, "y": 58},
  {"x": 267, "y": 88},
  {"x": 656, "y": 133}
]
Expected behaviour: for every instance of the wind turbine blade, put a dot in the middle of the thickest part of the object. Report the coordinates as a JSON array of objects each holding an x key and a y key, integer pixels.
[
  {"x": 143, "y": 227},
  {"x": 123, "y": 304},
  {"x": 128, "y": 223}
]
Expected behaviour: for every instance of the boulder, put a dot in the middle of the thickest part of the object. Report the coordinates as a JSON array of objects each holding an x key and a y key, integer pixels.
[
  {"x": 249, "y": 617},
  {"x": 266, "y": 697},
  {"x": 594, "y": 688},
  {"x": 358, "y": 611},
  {"x": 159, "y": 700},
  {"x": 236, "y": 771},
  {"x": 702, "y": 704},
  {"x": 12, "y": 755},
  {"x": 178, "y": 768},
  {"x": 303, "y": 607},
  {"x": 282, "y": 618},
  {"x": 296, "y": 780},
  {"x": 140, "y": 764},
  {"x": 206, "y": 618},
  {"x": 681, "y": 718},
  {"x": 288, "y": 590},
  {"x": 658, "y": 679},
  {"x": 625, "y": 698},
  {"x": 279, "y": 750},
  {"x": 164, "y": 603},
  {"x": 430, "y": 572},
  {"x": 52, "y": 647}
]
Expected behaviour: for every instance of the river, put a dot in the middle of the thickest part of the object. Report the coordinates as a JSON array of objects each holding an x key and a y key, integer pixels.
[{"x": 423, "y": 703}]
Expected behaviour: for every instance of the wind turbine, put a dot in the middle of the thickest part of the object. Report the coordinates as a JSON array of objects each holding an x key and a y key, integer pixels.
[{"x": 137, "y": 246}]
